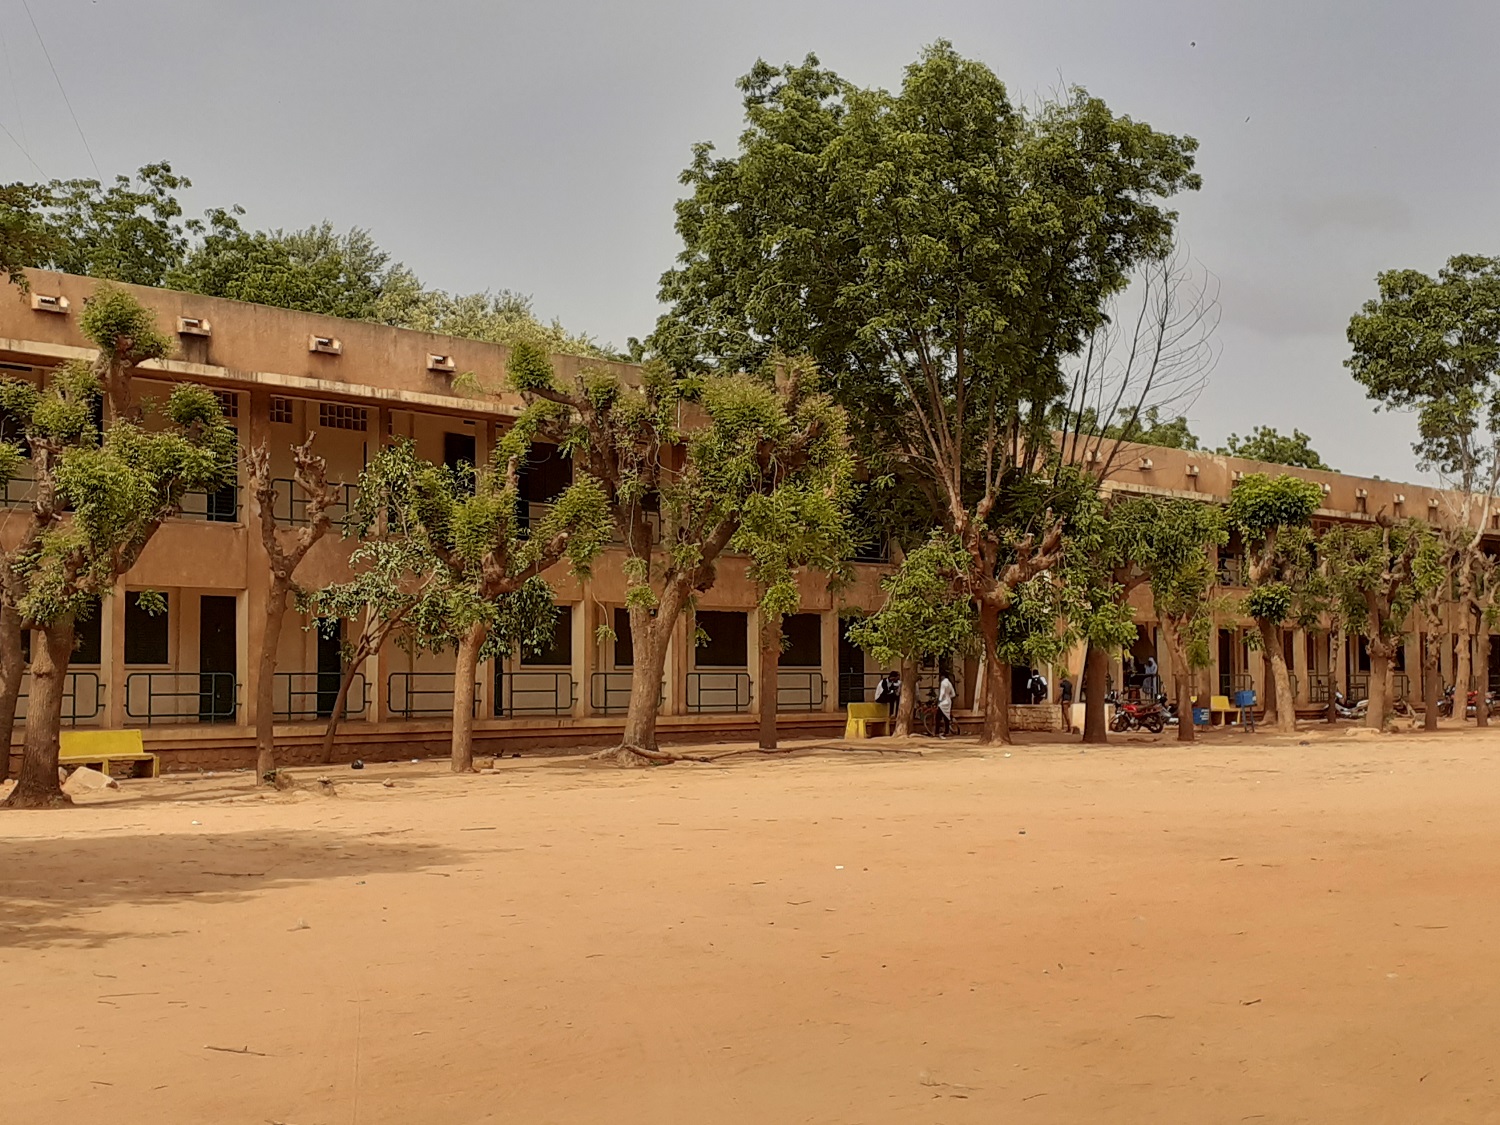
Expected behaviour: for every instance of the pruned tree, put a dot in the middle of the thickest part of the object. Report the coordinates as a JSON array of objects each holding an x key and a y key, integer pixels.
[
  {"x": 1265, "y": 443},
  {"x": 490, "y": 596},
  {"x": 285, "y": 549},
  {"x": 100, "y": 500},
  {"x": 1379, "y": 574},
  {"x": 681, "y": 461},
  {"x": 919, "y": 618},
  {"x": 1274, "y": 515}
]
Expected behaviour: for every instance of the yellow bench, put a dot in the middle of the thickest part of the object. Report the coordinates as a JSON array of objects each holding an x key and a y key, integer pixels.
[
  {"x": 102, "y": 747},
  {"x": 862, "y": 716}
]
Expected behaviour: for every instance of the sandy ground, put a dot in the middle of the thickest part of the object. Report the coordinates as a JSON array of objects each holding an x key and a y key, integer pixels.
[{"x": 1250, "y": 930}]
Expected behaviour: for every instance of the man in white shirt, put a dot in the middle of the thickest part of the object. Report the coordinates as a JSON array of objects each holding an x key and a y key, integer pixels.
[{"x": 946, "y": 695}]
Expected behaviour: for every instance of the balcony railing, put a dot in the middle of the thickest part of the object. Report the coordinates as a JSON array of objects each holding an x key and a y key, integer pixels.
[
  {"x": 1231, "y": 682},
  {"x": 534, "y": 693},
  {"x": 291, "y": 503},
  {"x": 18, "y": 492},
  {"x": 1318, "y": 688},
  {"x": 409, "y": 694},
  {"x": 1359, "y": 688},
  {"x": 222, "y": 506},
  {"x": 1230, "y": 572},
  {"x": 311, "y": 695},
  {"x": 83, "y": 698},
  {"x": 175, "y": 697},
  {"x": 1402, "y": 685},
  {"x": 718, "y": 691},
  {"x": 800, "y": 691}
]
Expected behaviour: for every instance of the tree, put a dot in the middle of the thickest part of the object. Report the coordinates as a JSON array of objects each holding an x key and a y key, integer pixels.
[
  {"x": 1379, "y": 574},
  {"x": 939, "y": 253},
  {"x": 99, "y": 500},
  {"x": 1274, "y": 515},
  {"x": 490, "y": 596},
  {"x": 285, "y": 549},
  {"x": 1266, "y": 444},
  {"x": 24, "y": 238},
  {"x": 739, "y": 439},
  {"x": 919, "y": 618},
  {"x": 1432, "y": 344}
]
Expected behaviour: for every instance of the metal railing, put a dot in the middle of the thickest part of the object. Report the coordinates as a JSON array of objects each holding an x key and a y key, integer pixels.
[
  {"x": 422, "y": 693},
  {"x": 609, "y": 692},
  {"x": 203, "y": 697},
  {"x": 798, "y": 690},
  {"x": 83, "y": 698},
  {"x": 653, "y": 523},
  {"x": 1230, "y": 572},
  {"x": 1359, "y": 688},
  {"x": 291, "y": 503},
  {"x": 18, "y": 492},
  {"x": 534, "y": 693},
  {"x": 718, "y": 691},
  {"x": 1401, "y": 683},
  {"x": 859, "y": 687},
  {"x": 1318, "y": 688},
  {"x": 1231, "y": 682},
  {"x": 293, "y": 690},
  {"x": 222, "y": 506}
]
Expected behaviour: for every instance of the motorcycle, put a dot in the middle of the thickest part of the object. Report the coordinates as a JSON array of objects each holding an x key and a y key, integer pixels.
[
  {"x": 1445, "y": 705},
  {"x": 1137, "y": 715},
  {"x": 1343, "y": 709}
]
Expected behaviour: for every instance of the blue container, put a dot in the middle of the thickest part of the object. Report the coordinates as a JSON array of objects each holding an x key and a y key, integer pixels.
[
  {"x": 1244, "y": 699},
  {"x": 1200, "y": 716}
]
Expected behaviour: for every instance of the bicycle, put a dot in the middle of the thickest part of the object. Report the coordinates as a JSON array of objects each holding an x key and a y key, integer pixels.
[{"x": 927, "y": 715}]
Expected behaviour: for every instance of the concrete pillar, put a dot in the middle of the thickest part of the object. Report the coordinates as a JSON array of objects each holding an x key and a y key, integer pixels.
[
  {"x": 1300, "y": 666},
  {"x": 829, "y": 658},
  {"x": 112, "y": 641},
  {"x": 678, "y": 662},
  {"x": 585, "y": 652},
  {"x": 375, "y": 670},
  {"x": 255, "y": 429}
]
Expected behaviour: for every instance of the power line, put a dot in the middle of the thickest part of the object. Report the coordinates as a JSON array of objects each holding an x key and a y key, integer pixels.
[
  {"x": 15, "y": 93},
  {"x": 22, "y": 147},
  {"x": 56, "y": 78}
]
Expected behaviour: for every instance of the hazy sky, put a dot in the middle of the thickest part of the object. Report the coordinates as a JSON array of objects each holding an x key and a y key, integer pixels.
[{"x": 536, "y": 146}]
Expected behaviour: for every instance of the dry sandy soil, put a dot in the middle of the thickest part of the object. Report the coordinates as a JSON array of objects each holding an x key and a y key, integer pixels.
[{"x": 1249, "y": 930}]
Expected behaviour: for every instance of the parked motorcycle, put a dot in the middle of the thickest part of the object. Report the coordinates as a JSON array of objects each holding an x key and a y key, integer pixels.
[
  {"x": 1445, "y": 705},
  {"x": 1344, "y": 710},
  {"x": 1138, "y": 715}
]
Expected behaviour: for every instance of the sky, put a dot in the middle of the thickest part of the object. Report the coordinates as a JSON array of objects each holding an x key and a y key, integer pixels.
[{"x": 536, "y": 146}]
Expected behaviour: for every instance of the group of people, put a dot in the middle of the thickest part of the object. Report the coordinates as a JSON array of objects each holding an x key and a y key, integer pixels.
[{"x": 888, "y": 691}]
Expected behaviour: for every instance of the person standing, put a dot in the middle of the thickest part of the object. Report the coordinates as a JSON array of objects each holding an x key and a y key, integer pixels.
[
  {"x": 1065, "y": 700},
  {"x": 946, "y": 695}
]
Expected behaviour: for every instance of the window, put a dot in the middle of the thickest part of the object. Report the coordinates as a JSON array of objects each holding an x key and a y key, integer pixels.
[
  {"x": 229, "y": 403},
  {"x": 804, "y": 640},
  {"x": 88, "y": 647},
  {"x": 560, "y": 650},
  {"x": 546, "y": 474},
  {"x": 726, "y": 646},
  {"x": 281, "y": 410},
  {"x": 338, "y": 416},
  {"x": 458, "y": 449},
  {"x": 145, "y": 634},
  {"x": 624, "y": 642}
]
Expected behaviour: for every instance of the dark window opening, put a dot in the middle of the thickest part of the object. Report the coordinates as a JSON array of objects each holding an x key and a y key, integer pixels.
[
  {"x": 624, "y": 641},
  {"x": 727, "y": 644},
  {"x": 330, "y": 664},
  {"x": 803, "y": 633},
  {"x": 145, "y": 634},
  {"x": 459, "y": 455},
  {"x": 545, "y": 474},
  {"x": 88, "y": 636},
  {"x": 560, "y": 650}
]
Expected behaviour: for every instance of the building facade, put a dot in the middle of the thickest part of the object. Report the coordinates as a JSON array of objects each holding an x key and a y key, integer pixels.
[{"x": 186, "y": 678}]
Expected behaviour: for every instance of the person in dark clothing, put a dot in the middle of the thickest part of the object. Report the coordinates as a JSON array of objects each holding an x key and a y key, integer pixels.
[
  {"x": 888, "y": 691},
  {"x": 1065, "y": 700}
]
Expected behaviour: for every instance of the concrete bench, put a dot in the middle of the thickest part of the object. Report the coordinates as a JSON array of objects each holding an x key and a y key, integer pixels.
[
  {"x": 862, "y": 716},
  {"x": 100, "y": 748}
]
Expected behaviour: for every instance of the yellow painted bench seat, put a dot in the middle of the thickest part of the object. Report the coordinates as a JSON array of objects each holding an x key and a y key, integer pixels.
[
  {"x": 102, "y": 747},
  {"x": 862, "y": 716}
]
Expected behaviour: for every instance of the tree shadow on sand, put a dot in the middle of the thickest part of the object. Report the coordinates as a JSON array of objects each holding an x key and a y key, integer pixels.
[{"x": 48, "y": 886}]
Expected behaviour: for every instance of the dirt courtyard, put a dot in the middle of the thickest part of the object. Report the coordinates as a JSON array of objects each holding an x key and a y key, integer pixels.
[{"x": 1247, "y": 930}]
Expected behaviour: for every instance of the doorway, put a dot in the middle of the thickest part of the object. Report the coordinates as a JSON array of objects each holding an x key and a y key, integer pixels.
[
  {"x": 330, "y": 664},
  {"x": 218, "y": 659}
]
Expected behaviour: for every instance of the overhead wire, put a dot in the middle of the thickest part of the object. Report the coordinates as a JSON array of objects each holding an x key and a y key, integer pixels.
[{"x": 60, "y": 88}]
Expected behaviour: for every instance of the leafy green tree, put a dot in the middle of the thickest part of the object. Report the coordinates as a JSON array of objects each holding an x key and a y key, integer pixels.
[
  {"x": 1269, "y": 445},
  {"x": 24, "y": 238},
  {"x": 99, "y": 500},
  {"x": 285, "y": 549},
  {"x": 682, "y": 463},
  {"x": 490, "y": 596},
  {"x": 919, "y": 618},
  {"x": 1274, "y": 515},
  {"x": 939, "y": 252},
  {"x": 1432, "y": 345},
  {"x": 1150, "y": 428},
  {"x": 1379, "y": 574}
]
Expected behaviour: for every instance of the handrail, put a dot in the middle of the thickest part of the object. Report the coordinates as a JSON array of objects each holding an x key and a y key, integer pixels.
[
  {"x": 1359, "y": 688},
  {"x": 291, "y": 503},
  {"x": 547, "y": 697},
  {"x": 411, "y": 689},
  {"x": 1318, "y": 687},
  {"x": 18, "y": 492},
  {"x": 323, "y": 692},
  {"x": 1231, "y": 682},
  {"x": 799, "y": 690},
  {"x": 609, "y": 692},
  {"x": 1401, "y": 683},
  {"x": 718, "y": 691},
  {"x": 859, "y": 687},
  {"x": 215, "y": 696},
  {"x": 71, "y": 712}
]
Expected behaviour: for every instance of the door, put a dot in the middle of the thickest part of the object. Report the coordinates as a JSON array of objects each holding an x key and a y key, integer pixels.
[
  {"x": 217, "y": 659},
  {"x": 330, "y": 666},
  {"x": 851, "y": 668}
]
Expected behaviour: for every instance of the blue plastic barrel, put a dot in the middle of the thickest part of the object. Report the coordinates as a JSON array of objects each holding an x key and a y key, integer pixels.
[
  {"x": 1244, "y": 699},
  {"x": 1200, "y": 716}
]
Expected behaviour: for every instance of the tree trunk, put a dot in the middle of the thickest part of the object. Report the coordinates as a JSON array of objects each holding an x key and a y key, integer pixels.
[
  {"x": 1432, "y": 687},
  {"x": 1379, "y": 702},
  {"x": 340, "y": 702},
  {"x": 649, "y": 637},
  {"x": 1335, "y": 662},
  {"x": 1461, "y": 673},
  {"x": 906, "y": 705},
  {"x": 995, "y": 726},
  {"x": 1482, "y": 673},
  {"x": 1182, "y": 676},
  {"x": 12, "y": 668},
  {"x": 1272, "y": 711},
  {"x": 1286, "y": 712},
  {"x": 1095, "y": 673},
  {"x": 465, "y": 665},
  {"x": 37, "y": 786},
  {"x": 770, "y": 663},
  {"x": 265, "y": 698}
]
